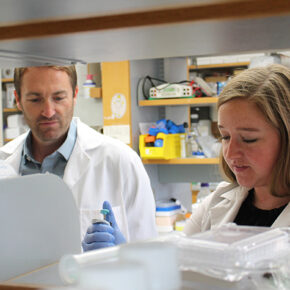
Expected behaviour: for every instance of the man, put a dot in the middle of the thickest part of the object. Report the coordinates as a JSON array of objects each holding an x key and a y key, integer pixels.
[{"x": 95, "y": 167}]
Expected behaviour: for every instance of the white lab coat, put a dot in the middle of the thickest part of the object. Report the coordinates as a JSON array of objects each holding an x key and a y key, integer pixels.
[
  {"x": 102, "y": 168},
  {"x": 222, "y": 206}
]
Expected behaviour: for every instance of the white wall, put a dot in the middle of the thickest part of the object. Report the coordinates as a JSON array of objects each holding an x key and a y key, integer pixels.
[{"x": 90, "y": 110}]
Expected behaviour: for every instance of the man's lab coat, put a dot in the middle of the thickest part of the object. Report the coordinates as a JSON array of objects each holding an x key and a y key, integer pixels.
[{"x": 101, "y": 168}]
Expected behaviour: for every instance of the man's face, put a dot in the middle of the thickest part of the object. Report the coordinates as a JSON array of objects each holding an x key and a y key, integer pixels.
[{"x": 47, "y": 103}]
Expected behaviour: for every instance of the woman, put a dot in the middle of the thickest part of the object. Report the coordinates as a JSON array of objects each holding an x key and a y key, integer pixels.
[{"x": 254, "y": 123}]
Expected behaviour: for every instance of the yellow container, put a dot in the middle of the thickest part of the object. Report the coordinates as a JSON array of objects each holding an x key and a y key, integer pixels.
[{"x": 169, "y": 150}]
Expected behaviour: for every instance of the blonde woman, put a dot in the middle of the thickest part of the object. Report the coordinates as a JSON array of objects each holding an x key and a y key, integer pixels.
[{"x": 254, "y": 123}]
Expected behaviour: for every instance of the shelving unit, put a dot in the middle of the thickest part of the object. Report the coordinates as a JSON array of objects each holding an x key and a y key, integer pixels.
[
  {"x": 96, "y": 93},
  {"x": 201, "y": 101},
  {"x": 5, "y": 80},
  {"x": 7, "y": 140},
  {"x": 216, "y": 71},
  {"x": 181, "y": 101},
  {"x": 218, "y": 65},
  {"x": 192, "y": 161},
  {"x": 5, "y": 112},
  {"x": 11, "y": 110}
]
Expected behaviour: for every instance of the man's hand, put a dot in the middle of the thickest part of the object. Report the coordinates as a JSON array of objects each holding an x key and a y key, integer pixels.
[{"x": 101, "y": 235}]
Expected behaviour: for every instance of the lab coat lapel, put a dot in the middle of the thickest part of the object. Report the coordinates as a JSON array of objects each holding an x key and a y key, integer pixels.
[
  {"x": 283, "y": 219},
  {"x": 226, "y": 210},
  {"x": 77, "y": 166},
  {"x": 79, "y": 161}
]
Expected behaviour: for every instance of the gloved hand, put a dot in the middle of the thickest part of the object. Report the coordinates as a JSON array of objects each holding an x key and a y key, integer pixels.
[{"x": 101, "y": 235}]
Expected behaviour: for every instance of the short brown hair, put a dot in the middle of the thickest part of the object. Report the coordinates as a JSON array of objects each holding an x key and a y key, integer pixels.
[
  {"x": 269, "y": 88},
  {"x": 70, "y": 70}
]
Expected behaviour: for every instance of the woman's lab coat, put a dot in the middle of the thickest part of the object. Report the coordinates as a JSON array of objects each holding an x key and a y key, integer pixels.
[
  {"x": 222, "y": 207},
  {"x": 101, "y": 168}
]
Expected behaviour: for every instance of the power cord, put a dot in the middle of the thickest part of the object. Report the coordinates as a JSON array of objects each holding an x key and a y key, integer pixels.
[{"x": 154, "y": 82}]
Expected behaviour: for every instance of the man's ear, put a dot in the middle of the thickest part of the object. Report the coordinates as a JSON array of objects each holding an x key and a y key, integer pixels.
[
  {"x": 76, "y": 94},
  {"x": 17, "y": 98}
]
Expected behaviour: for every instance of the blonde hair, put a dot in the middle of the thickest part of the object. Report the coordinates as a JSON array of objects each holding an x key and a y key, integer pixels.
[
  {"x": 70, "y": 70},
  {"x": 269, "y": 88}
]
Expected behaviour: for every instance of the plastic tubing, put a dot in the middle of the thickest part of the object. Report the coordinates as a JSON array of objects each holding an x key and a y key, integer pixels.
[{"x": 71, "y": 266}]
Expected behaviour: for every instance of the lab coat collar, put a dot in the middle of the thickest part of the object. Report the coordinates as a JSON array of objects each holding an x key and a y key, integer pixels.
[
  {"x": 283, "y": 219},
  {"x": 77, "y": 165},
  {"x": 225, "y": 211},
  {"x": 85, "y": 137}
]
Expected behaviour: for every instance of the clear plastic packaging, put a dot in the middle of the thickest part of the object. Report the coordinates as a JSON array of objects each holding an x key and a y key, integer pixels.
[{"x": 249, "y": 255}]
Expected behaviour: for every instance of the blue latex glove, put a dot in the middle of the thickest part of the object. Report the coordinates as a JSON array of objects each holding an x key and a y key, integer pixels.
[{"x": 101, "y": 235}]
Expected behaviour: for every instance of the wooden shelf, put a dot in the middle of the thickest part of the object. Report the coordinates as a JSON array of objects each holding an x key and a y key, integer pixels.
[
  {"x": 218, "y": 65},
  {"x": 197, "y": 161},
  {"x": 96, "y": 93},
  {"x": 176, "y": 102},
  {"x": 7, "y": 80},
  {"x": 7, "y": 140},
  {"x": 11, "y": 110}
]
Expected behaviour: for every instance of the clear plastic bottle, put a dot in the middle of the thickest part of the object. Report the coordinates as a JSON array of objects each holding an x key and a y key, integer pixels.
[
  {"x": 192, "y": 146},
  {"x": 195, "y": 150},
  {"x": 183, "y": 146},
  {"x": 203, "y": 193}
]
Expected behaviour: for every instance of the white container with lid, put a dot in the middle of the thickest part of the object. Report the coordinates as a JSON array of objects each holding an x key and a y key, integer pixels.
[{"x": 87, "y": 85}]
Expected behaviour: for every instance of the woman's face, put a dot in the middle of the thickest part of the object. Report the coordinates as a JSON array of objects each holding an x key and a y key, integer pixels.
[{"x": 250, "y": 144}]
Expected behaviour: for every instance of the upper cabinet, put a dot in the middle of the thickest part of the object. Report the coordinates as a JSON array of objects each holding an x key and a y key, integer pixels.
[{"x": 41, "y": 32}]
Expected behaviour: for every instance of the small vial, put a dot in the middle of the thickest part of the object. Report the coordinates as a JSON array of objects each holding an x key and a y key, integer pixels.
[{"x": 102, "y": 212}]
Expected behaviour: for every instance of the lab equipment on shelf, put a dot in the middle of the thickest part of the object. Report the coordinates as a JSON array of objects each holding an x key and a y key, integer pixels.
[
  {"x": 170, "y": 147},
  {"x": 163, "y": 141},
  {"x": 165, "y": 91},
  {"x": 168, "y": 212}
]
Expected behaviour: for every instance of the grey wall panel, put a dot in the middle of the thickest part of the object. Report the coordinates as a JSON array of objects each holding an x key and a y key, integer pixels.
[
  {"x": 188, "y": 173},
  {"x": 138, "y": 70}
]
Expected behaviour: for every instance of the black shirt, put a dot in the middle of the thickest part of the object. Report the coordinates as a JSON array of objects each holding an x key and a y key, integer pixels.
[{"x": 249, "y": 215}]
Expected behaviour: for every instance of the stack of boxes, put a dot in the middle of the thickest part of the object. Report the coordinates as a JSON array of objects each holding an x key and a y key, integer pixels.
[{"x": 167, "y": 214}]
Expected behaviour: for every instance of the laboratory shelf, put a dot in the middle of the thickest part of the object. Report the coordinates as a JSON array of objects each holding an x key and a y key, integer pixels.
[
  {"x": 197, "y": 161},
  {"x": 6, "y": 80},
  {"x": 7, "y": 140},
  {"x": 181, "y": 101},
  {"x": 11, "y": 110},
  {"x": 218, "y": 65},
  {"x": 96, "y": 93}
]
